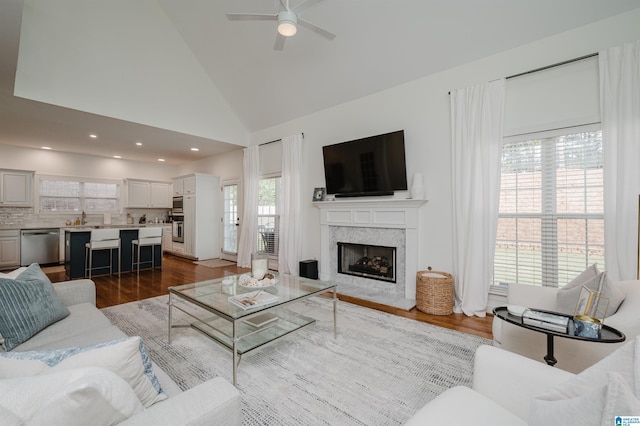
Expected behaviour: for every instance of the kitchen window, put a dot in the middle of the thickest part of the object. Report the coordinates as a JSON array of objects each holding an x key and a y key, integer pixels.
[
  {"x": 268, "y": 215},
  {"x": 551, "y": 216},
  {"x": 74, "y": 195}
]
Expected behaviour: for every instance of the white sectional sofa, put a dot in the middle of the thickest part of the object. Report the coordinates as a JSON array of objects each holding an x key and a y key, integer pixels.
[
  {"x": 572, "y": 355},
  {"x": 213, "y": 402}
]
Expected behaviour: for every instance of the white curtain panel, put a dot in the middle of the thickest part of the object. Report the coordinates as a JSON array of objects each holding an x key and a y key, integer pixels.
[
  {"x": 249, "y": 225},
  {"x": 620, "y": 112},
  {"x": 476, "y": 128},
  {"x": 290, "y": 220}
]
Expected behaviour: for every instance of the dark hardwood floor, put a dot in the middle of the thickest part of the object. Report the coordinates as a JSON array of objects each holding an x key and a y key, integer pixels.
[{"x": 130, "y": 287}]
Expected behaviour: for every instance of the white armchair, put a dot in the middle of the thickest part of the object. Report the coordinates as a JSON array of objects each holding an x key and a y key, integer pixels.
[
  {"x": 504, "y": 384},
  {"x": 572, "y": 355}
]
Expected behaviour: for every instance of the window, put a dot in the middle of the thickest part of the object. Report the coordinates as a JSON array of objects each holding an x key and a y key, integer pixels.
[
  {"x": 268, "y": 215},
  {"x": 72, "y": 195},
  {"x": 550, "y": 223}
]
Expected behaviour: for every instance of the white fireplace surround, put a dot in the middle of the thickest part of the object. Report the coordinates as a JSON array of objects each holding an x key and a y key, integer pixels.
[{"x": 367, "y": 213}]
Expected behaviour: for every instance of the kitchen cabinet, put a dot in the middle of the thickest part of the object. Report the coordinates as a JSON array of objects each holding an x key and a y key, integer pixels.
[
  {"x": 202, "y": 207},
  {"x": 9, "y": 248},
  {"x": 167, "y": 237},
  {"x": 184, "y": 185},
  {"x": 178, "y": 187},
  {"x": 16, "y": 188},
  {"x": 149, "y": 194}
]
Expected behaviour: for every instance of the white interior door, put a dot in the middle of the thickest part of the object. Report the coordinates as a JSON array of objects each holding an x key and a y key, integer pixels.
[{"x": 230, "y": 221}]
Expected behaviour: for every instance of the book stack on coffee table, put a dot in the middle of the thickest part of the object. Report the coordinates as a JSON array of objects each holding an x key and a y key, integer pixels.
[{"x": 546, "y": 320}]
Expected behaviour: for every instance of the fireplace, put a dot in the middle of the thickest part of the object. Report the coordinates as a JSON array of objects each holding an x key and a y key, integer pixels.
[{"x": 368, "y": 261}]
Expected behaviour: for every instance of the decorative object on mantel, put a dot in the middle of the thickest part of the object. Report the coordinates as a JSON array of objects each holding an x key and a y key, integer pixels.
[
  {"x": 591, "y": 310},
  {"x": 434, "y": 292},
  {"x": 417, "y": 187},
  {"x": 319, "y": 194}
]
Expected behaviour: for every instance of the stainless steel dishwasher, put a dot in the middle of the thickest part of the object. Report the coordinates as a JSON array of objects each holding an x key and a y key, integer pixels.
[{"x": 39, "y": 246}]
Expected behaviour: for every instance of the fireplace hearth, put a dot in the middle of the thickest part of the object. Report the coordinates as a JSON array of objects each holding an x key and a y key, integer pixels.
[{"x": 368, "y": 261}]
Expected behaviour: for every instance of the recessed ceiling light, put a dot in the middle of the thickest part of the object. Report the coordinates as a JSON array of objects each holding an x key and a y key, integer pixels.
[
  {"x": 117, "y": 156},
  {"x": 46, "y": 147},
  {"x": 139, "y": 143},
  {"x": 93, "y": 136},
  {"x": 195, "y": 149},
  {"x": 161, "y": 159}
]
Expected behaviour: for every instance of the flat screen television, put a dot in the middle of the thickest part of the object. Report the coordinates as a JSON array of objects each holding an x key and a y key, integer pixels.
[{"x": 365, "y": 167}]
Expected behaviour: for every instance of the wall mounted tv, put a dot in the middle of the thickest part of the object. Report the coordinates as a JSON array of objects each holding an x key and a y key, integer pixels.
[{"x": 365, "y": 167}]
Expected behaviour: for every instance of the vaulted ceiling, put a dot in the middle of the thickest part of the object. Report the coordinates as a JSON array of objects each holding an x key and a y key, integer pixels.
[{"x": 177, "y": 74}]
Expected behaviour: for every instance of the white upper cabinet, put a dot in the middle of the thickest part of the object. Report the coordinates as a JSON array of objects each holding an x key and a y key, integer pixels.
[
  {"x": 149, "y": 194},
  {"x": 178, "y": 187},
  {"x": 190, "y": 185},
  {"x": 16, "y": 188}
]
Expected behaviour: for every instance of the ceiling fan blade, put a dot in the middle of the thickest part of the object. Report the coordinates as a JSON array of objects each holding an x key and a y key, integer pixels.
[
  {"x": 299, "y": 9},
  {"x": 279, "y": 44},
  {"x": 316, "y": 29},
  {"x": 251, "y": 17}
]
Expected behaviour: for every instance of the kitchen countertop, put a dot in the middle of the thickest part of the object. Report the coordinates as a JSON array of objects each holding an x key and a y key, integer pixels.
[{"x": 86, "y": 227}]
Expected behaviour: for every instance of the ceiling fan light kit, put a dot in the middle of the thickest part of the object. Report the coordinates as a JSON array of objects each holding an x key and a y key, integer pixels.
[{"x": 287, "y": 21}]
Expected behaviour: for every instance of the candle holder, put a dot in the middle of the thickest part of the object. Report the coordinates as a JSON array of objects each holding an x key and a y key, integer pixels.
[
  {"x": 591, "y": 310},
  {"x": 259, "y": 265}
]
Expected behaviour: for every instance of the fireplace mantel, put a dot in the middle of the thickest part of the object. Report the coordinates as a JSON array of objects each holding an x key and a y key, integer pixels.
[{"x": 367, "y": 213}]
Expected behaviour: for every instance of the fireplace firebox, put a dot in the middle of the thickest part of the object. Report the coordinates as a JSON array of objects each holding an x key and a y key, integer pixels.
[{"x": 368, "y": 261}]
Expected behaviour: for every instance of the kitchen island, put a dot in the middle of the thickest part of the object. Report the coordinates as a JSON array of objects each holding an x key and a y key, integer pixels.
[{"x": 75, "y": 253}]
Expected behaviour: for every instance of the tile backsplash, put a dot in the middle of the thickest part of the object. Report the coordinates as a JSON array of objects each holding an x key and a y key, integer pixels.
[{"x": 16, "y": 217}]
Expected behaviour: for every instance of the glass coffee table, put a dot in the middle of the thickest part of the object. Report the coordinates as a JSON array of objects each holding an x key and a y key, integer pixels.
[{"x": 244, "y": 330}]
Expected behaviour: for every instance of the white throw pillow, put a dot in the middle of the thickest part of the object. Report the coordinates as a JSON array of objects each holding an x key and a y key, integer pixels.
[
  {"x": 13, "y": 274},
  {"x": 126, "y": 357},
  {"x": 567, "y": 297},
  {"x": 608, "y": 388},
  {"x": 71, "y": 397}
]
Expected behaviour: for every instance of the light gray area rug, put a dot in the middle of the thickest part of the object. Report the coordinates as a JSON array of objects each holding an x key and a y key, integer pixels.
[
  {"x": 379, "y": 370},
  {"x": 215, "y": 263}
]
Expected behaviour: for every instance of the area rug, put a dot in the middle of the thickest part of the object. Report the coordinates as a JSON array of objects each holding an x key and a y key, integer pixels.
[
  {"x": 379, "y": 370},
  {"x": 215, "y": 263}
]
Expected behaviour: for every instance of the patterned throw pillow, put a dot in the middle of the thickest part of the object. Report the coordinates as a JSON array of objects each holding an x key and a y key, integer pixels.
[
  {"x": 28, "y": 304},
  {"x": 126, "y": 357}
]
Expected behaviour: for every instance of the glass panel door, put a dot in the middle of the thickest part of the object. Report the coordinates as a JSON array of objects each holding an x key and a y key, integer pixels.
[{"x": 230, "y": 219}]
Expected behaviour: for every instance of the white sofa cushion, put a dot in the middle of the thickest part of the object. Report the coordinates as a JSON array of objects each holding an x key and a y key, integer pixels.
[
  {"x": 607, "y": 389},
  {"x": 71, "y": 397},
  {"x": 126, "y": 357},
  {"x": 461, "y": 405}
]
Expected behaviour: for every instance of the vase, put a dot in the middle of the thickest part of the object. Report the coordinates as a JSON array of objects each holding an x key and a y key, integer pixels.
[{"x": 417, "y": 187}]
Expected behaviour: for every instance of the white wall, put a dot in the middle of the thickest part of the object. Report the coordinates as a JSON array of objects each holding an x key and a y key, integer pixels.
[
  {"x": 86, "y": 73},
  {"x": 65, "y": 164},
  {"x": 422, "y": 109}
]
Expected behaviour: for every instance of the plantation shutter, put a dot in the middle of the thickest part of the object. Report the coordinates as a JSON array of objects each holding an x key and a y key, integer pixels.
[{"x": 550, "y": 225}]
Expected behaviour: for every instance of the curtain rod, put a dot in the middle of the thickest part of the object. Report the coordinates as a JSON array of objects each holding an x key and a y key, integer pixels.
[
  {"x": 277, "y": 140},
  {"x": 591, "y": 55}
]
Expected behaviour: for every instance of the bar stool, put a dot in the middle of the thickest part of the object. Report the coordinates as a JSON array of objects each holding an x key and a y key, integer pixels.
[
  {"x": 102, "y": 239},
  {"x": 147, "y": 237}
]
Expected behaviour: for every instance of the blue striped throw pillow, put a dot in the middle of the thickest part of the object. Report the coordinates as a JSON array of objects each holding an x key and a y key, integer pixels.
[{"x": 28, "y": 304}]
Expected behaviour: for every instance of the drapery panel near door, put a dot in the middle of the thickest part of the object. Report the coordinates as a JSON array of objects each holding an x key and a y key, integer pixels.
[
  {"x": 476, "y": 129},
  {"x": 249, "y": 224},
  {"x": 290, "y": 220},
  {"x": 620, "y": 111}
]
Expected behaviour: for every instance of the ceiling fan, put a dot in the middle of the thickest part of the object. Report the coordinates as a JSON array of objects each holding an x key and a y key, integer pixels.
[{"x": 288, "y": 21}]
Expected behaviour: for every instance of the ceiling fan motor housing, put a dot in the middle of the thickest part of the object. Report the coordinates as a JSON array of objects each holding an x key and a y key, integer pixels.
[{"x": 287, "y": 21}]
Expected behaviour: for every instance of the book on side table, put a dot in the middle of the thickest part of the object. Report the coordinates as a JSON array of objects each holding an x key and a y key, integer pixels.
[{"x": 546, "y": 320}]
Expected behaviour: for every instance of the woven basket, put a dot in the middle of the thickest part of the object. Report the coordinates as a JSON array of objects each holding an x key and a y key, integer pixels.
[{"x": 434, "y": 292}]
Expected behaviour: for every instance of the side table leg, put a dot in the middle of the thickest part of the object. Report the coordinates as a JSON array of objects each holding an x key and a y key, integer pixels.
[
  {"x": 551, "y": 360},
  {"x": 235, "y": 354}
]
